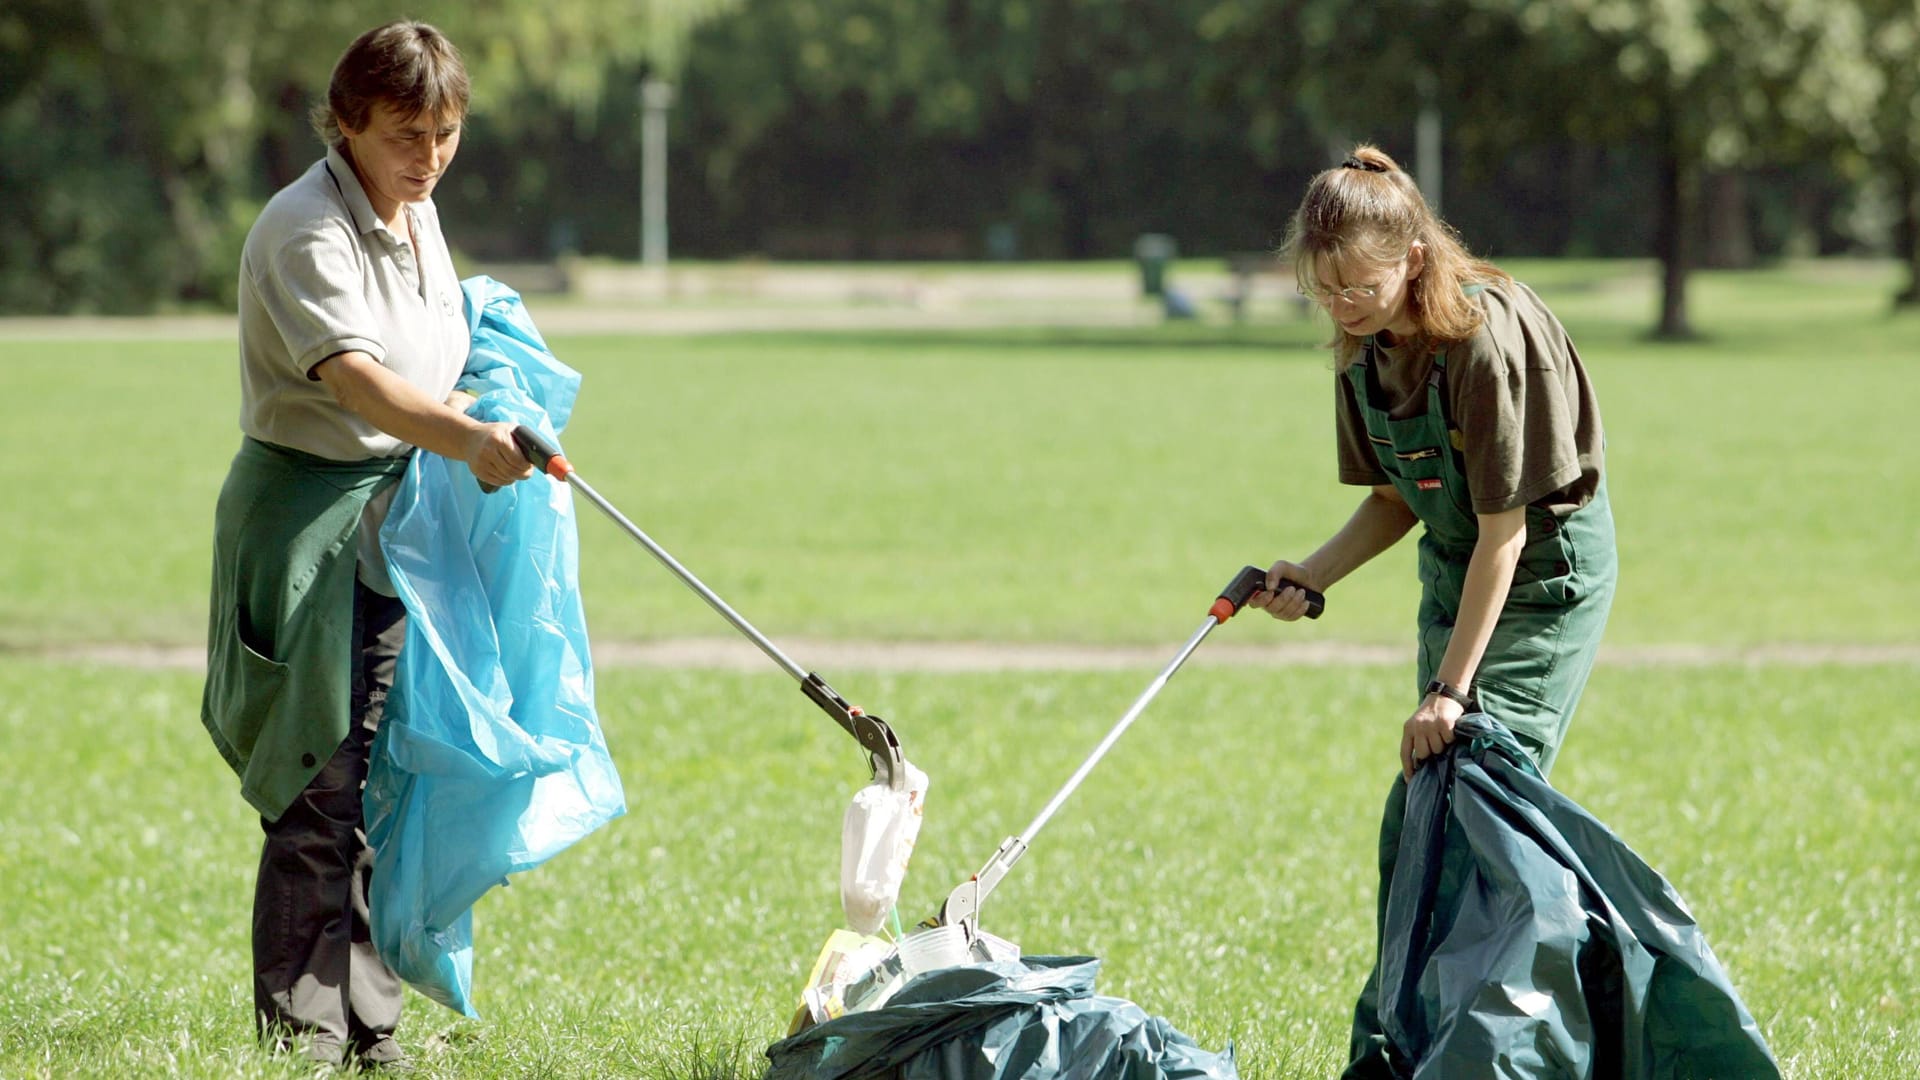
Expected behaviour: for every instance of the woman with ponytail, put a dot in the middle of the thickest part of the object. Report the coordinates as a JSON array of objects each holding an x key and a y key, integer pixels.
[{"x": 1463, "y": 407}]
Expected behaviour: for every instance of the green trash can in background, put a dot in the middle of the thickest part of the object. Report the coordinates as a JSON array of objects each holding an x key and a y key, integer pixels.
[{"x": 1154, "y": 251}]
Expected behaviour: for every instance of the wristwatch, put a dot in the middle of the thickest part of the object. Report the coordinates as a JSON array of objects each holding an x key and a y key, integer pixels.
[{"x": 1465, "y": 701}]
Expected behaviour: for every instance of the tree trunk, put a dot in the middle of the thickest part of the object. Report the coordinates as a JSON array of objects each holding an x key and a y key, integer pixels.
[
  {"x": 286, "y": 149},
  {"x": 1670, "y": 240},
  {"x": 196, "y": 234},
  {"x": 1804, "y": 233},
  {"x": 1729, "y": 233},
  {"x": 1583, "y": 164},
  {"x": 1909, "y": 236}
]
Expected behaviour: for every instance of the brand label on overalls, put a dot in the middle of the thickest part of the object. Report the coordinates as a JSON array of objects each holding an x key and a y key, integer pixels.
[{"x": 1432, "y": 484}]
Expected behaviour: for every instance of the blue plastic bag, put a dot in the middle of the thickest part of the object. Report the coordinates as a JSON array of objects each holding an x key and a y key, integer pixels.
[{"x": 490, "y": 759}]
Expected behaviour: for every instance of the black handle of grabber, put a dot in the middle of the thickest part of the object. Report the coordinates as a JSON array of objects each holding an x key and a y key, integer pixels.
[
  {"x": 540, "y": 452},
  {"x": 536, "y": 447},
  {"x": 1252, "y": 579}
]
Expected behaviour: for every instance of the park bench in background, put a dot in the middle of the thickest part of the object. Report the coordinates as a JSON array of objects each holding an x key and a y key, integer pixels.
[{"x": 1247, "y": 270}]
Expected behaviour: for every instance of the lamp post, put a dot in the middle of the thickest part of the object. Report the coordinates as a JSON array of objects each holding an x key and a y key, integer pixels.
[
  {"x": 656, "y": 96},
  {"x": 1426, "y": 137}
]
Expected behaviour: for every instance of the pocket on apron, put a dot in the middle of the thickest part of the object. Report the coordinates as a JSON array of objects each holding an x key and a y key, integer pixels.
[{"x": 243, "y": 688}]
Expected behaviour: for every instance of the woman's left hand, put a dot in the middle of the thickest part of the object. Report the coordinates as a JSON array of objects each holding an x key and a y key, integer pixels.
[{"x": 1427, "y": 732}]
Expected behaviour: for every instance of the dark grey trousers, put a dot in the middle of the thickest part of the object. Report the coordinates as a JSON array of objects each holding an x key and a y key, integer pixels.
[{"x": 315, "y": 973}]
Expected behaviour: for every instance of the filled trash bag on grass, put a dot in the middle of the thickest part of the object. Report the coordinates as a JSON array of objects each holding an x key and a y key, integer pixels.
[
  {"x": 1028, "y": 1019},
  {"x": 1522, "y": 938},
  {"x": 490, "y": 759}
]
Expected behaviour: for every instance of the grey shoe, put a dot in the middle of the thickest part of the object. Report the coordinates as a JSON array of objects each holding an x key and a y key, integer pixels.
[
  {"x": 320, "y": 1050},
  {"x": 384, "y": 1055}
]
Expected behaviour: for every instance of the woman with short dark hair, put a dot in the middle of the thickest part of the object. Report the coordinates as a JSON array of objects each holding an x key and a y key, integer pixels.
[{"x": 352, "y": 335}]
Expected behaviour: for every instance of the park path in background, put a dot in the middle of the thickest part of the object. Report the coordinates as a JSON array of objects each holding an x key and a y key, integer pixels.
[
  {"x": 749, "y": 299},
  {"x": 565, "y": 321},
  {"x": 732, "y": 654}
]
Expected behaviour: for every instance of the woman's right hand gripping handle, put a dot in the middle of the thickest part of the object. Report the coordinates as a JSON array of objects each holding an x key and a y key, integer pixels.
[
  {"x": 532, "y": 451},
  {"x": 1281, "y": 597},
  {"x": 495, "y": 457}
]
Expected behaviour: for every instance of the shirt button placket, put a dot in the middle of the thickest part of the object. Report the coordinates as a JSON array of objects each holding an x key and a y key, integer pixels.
[{"x": 404, "y": 258}]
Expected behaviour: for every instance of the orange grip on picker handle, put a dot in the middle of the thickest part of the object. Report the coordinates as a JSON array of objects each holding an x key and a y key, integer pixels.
[{"x": 1251, "y": 580}]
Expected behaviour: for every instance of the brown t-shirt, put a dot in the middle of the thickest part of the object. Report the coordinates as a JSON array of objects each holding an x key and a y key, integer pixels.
[{"x": 1517, "y": 393}]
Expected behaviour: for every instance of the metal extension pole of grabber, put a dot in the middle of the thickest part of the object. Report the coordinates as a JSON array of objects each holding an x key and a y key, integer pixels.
[
  {"x": 1139, "y": 705},
  {"x": 872, "y": 732},
  {"x": 963, "y": 904}
]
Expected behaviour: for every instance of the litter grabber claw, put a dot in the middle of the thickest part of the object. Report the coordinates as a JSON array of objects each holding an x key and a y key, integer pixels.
[
  {"x": 880, "y": 828},
  {"x": 962, "y": 906}
]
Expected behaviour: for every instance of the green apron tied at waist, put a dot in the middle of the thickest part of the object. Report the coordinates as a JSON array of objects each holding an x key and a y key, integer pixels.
[
  {"x": 280, "y": 644},
  {"x": 1543, "y": 646}
]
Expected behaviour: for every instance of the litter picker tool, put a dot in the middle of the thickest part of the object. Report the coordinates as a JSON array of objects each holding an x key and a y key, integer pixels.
[
  {"x": 962, "y": 906},
  {"x": 885, "y": 817}
]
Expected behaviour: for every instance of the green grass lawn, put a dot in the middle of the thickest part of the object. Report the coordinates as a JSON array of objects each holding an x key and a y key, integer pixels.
[
  {"x": 1217, "y": 862},
  {"x": 1052, "y": 485},
  {"x": 1008, "y": 485}
]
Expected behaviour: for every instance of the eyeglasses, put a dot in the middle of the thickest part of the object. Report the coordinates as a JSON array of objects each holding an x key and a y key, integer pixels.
[
  {"x": 1351, "y": 294},
  {"x": 1354, "y": 294}
]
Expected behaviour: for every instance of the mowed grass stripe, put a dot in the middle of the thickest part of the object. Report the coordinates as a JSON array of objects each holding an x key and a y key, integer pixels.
[
  {"x": 1085, "y": 487},
  {"x": 1218, "y": 860}
]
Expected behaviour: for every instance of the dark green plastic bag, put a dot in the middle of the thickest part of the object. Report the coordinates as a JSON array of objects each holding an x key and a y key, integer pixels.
[
  {"x": 1029, "y": 1019},
  {"x": 1522, "y": 938}
]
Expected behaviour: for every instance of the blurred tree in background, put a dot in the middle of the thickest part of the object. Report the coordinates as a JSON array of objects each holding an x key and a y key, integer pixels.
[
  {"x": 1047, "y": 128},
  {"x": 1893, "y": 151},
  {"x": 1710, "y": 88},
  {"x": 137, "y": 140}
]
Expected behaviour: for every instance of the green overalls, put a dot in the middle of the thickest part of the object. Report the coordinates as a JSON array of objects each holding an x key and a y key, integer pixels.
[
  {"x": 1542, "y": 648},
  {"x": 1537, "y": 661}
]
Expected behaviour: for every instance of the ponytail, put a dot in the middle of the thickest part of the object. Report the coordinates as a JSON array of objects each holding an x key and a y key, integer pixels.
[{"x": 1368, "y": 211}]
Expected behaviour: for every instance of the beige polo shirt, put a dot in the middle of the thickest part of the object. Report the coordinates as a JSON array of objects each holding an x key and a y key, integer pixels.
[{"x": 320, "y": 275}]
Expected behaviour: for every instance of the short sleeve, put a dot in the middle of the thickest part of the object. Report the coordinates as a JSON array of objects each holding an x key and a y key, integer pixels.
[
  {"x": 1512, "y": 406},
  {"x": 315, "y": 293}
]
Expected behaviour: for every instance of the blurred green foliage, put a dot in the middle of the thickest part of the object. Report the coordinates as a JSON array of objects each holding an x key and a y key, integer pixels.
[{"x": 136, "y": 138}]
